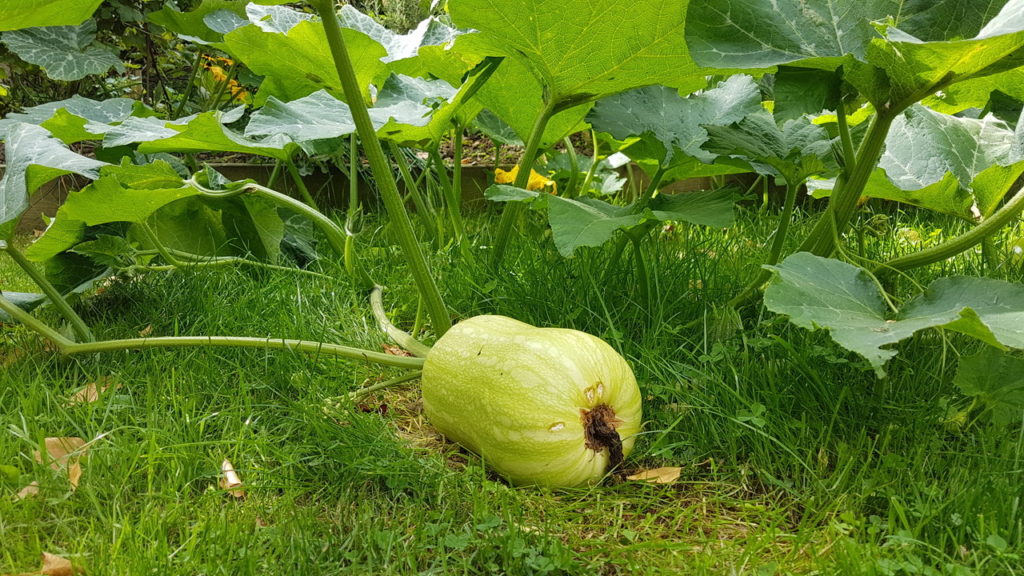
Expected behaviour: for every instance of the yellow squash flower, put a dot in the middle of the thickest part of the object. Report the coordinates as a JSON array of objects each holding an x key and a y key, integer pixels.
[{"x": 537, "y": 182}]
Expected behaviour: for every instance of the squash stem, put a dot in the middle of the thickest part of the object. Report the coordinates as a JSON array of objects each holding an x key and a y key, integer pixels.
[
  {"x": 402, "y": 338},
  {"x": 69, "y": 347}
]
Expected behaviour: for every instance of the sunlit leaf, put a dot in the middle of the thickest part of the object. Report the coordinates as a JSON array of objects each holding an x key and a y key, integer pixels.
[
  {"x": 16, "y": 14},
  {"x": 33, "y": 159},
  {"x": 429, "y": 32},
  {"x": 308, "y": 67}
]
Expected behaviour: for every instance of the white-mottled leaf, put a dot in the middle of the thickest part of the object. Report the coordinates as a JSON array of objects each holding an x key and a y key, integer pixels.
[
  {"x": 63, "y": 52},
  {"x": 430, "y": 32},
  {"x": 34, "y": 158},
  {"x": 275, "y": 18}
]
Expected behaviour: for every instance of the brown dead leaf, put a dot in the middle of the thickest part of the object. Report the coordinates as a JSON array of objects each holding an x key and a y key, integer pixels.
[
  {"x": 146, "y": 331},
  {"x": 666, "y": 475},
  {"x": 64, "y": 454},
  {"x": 92, "y": 391},
  {"x": 54, "y": 565},
  {"x": 230, "y": 480},
  {"x": 28, "y": 491},
  {"x": 395, "y": 350}
]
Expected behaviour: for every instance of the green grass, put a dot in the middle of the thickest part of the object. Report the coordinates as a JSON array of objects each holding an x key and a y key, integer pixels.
[{"x": 795, "y": 459}]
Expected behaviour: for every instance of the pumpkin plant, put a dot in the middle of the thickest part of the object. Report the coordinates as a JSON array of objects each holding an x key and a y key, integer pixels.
[{"x": 553, "y": 406}]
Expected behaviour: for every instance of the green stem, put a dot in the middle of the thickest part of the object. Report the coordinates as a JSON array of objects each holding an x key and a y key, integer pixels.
[
  {"x": 593, "y": 165},
  {"x": 353, "y": 263},
  {"x": 778, "y": 244},
  {"x": 512, "y": 210},
  {"x": 335, "y": 235},
  {"x": 846, "y": 140},
  {"x": 293, "y": 171},
  {"x": 1001, "y": 217},
  {"x": 189, "y": 87},
  {"x": 643, "y": 282},
  {"x": 843, "y": 203},
  {"x": 55, "y": 297},
  {"x": 574, "y": 168},
  {"x": 423, "y": 207},
  {"x": 196, "y": 260},
  {"x": 166, "y": 254},
  {"x": 652, "y": 187},
  {"x": 404, "y": 232},
  {"x": 221, "y": 87},
  {"x": 457, "y": 165},
  {"x": 402, "y": 338},
  {"x": 67, "y": 346},
  {"x": 274, "y": 174},
  {"x": 450, "y": 196},
  {"x": 365, "y": 391}
]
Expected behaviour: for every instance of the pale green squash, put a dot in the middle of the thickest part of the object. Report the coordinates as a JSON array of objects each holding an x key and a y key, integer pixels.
[{"x": 519, "y": 396}]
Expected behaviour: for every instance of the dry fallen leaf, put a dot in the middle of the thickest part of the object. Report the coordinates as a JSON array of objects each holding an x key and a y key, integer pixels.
[
  {"x": 64, "y": 454},
  {"x": 230, "y": 480},
  {"x": 146, "y": 331},
  {"x": 28, "y": 491},
  {"x": 54, "y": 565},
  {"x": 92, "y": 391},
  {"x": 666, "y": 475},
  {"x": 395, "y": 350}
]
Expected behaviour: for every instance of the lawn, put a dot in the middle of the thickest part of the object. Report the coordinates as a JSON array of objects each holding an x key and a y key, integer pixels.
[{"x": 794, "y": 458}]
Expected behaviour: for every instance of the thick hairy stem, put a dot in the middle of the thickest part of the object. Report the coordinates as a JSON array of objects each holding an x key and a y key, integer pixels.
[
  {"x": 512, "y": 209},
  {"x": 402, "y": 338},
  {"x": 1001, "y": 217},
  {"x": 55, "y": 297},
  {"x": 400, "y": 221},
  {"x": 843, "y": 204}
]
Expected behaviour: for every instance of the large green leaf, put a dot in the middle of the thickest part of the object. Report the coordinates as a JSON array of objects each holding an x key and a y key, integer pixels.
[
  {"x": 308, "y": 66},
  {"x": 995, "y": 379},
  {"x": 928, "y": 45},
  {"x": 514, "y": 95},
  {"x": 582, "y": 222},
  {"x": 821, "y": 293},
  {"x": 206, "y": 133},
  {"x": 584, "y": 50},
  {"x": 429, "y": 32},
  {"x": 63, "y": 52},
  {"x": 33, "y": 159},
  {"x": 206, "y": 24},
  {"x": 793, "y": 153},
  {"x": 321, "y": 116},
  {"x": 949, "y": 164},
  {"x": 15, "y": 14},
  {"x": 153, "y": 193},
  {"x": 668, "y": 124},
  {"x": 86, "y": 110},
  {"x": 747, "y": 34}
]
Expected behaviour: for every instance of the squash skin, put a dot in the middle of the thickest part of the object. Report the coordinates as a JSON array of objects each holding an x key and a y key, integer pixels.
[{"x": 514, "y": 394}]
